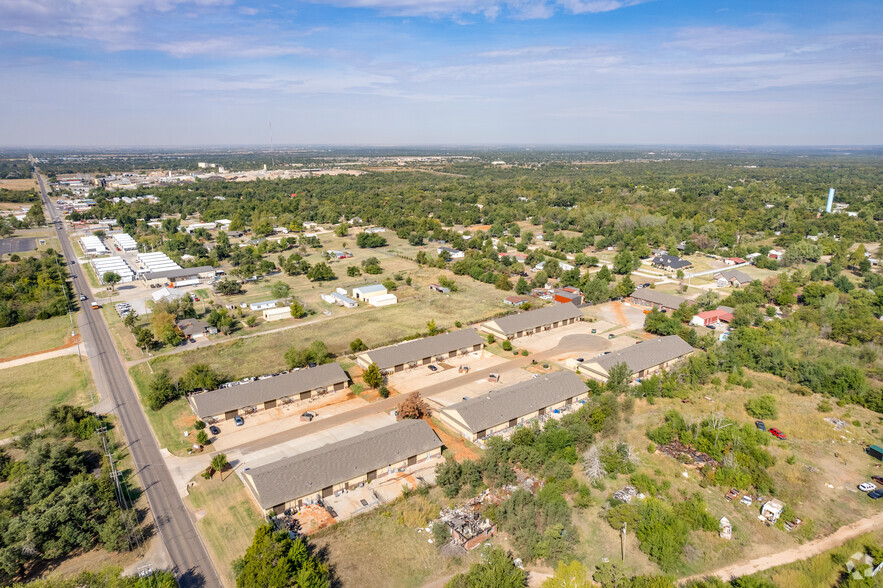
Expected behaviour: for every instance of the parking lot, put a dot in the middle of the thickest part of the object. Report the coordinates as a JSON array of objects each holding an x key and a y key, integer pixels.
[{"x": 419, "y": 377}]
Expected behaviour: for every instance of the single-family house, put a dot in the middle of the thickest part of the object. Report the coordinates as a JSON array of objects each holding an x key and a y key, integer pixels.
[
  {"x": 670, "y": 262},
  {"x": 259, "y": 306},
  {"x": 515, "y": 300},
  {"x": 775, "y": 254},
  {"x": 450, "y": 252},
  {"x": 711, "y": 317},
  {"x": 733, "y": 277},
  {"x": 734, "y": 261},
  {"x": 195, "y": 328}
]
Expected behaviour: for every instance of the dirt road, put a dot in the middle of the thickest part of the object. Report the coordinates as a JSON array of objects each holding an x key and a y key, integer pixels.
[{"x": 805, "y": 551}]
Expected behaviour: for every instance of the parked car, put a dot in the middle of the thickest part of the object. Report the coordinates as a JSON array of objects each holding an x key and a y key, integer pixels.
[
  {"x": 867, "y": 487},
  {"x": 432, "y": 368},
  {"x": 214, "y": 430},
  {"x": 877, "y": 479},
  {"x": 733, "y": 494},
  {"x": 777, "y": 434},
  {"x": 311, "y": 364},
  {"x": 760, "y": 425},
  {"x": 83, "y": 297},
  {"x": 308, "y": 416},
  {"x": 875, "y": 494},
  {"x": 645, "y": 285},
  {"x": 611, "y": 336},
  {"x": 239, "y": 421},
  {"x": 580, "y": 359},
  {"x": 746, "y": 500}
]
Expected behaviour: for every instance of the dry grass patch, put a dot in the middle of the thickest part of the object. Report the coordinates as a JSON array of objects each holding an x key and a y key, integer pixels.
[{"x": 34, "y": 336}]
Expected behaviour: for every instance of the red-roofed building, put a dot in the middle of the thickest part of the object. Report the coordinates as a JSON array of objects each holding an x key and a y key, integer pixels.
[
  {"x": 734, "y": 260},
  {"x": 711, "y": 317},
  {"x": 515, "y": 300}
]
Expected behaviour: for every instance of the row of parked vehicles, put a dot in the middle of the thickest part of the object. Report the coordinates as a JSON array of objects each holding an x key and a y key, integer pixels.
[
  {"x": 772, "y": 430},
  {"x": 871, "y": 488}
]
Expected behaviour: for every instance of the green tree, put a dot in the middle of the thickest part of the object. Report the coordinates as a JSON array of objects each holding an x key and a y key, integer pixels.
[
  {"x": 625, "y": 287},
  {"x": 280, "y": 289},
  {"x": 372, "y": 376},
  {"x": 320, "y": 272},
  {"x": 160, "y": 391},
  {"x": 353, "y": 271},
  {"x": 622, "y": 263},
  {"x": 200, "y": 376},
  {"x": 228, "y": 287},
  {"x": 342, "y": 229},
  {"x": 762, "y": 407},
  {"x": 297, "y": 310},
  {"x": 356, "y": 345},
  {"x": 569, "y": 575},
  {"x": 220, "y": 463},
  {"x": 275, "y": 560},
  {"x": 202, "y": 437},
  {"x": 522, "y": 287},
  {"x": 370, "y": 240},
  {"x": 496, "y": 570},
  {"x": 618, "y": 378},
  {"x": 432, "y": 328},
  {"x": 111, "y": 278}
]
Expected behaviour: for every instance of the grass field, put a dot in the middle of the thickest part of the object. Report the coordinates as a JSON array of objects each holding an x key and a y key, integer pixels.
[
  {"x": 399, "y": 556},
  {"x": 34, "y": 336},
  {"x": 28, "y": 390},
  {"x": 226, "y": 517}
]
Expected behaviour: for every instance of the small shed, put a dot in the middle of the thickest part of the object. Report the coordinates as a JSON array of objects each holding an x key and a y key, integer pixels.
[
  {"x": 277, "y": 314},
  {"x": 439, "y": 288}
]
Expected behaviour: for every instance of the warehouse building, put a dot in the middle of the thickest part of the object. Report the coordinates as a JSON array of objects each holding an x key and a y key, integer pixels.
[
  {"x": 533, "y": 321},
  {"x": 643, "y": 359},
  {"x": 501, "y": 410},
  {"x": 116, "y": 265},
  {"x": 656, "y": 299},
  {"x": 409, "y": 354},
  {"x": 227, "y": 402},
  {"x": 156, "y": 261},
  {"x": 369, "y": 292},
  {"x": 180, "y": 277},
  {"x": 92, "y": 245},
  {"x": 125, "y": 242},
  {"x": 298, "y": 480}
]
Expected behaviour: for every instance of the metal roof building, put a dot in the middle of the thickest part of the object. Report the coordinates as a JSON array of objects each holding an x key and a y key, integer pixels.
[
  {"x": 422, "y": 351},
  {"x": 178, "y": 274},
  {"x": 338, "y": 466},
  {"x": 643, "y": 358},
  {"x": 297, "y": 385},
  {"x": 482, "y": 416},
  {"x": 533, "y": 321}
]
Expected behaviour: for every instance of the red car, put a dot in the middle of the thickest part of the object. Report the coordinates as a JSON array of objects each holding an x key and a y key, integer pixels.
[{"x": 777, "y": 434}]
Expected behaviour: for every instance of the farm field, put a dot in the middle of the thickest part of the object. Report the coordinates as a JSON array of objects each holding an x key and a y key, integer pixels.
[
  {"x": 27, "y": 391},
  {"x": 34, "y": 336}
]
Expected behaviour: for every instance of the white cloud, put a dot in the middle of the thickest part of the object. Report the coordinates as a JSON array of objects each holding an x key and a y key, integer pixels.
[{"x": 491, "y": 9}]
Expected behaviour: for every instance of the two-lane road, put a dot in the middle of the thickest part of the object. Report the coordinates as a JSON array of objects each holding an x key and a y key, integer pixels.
[{"x": 177, "y": 530}]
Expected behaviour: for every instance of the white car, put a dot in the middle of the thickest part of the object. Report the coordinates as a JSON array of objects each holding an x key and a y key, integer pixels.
[
  {"x": 746, "y": 500},
  {"x": 867, "y": 487}
]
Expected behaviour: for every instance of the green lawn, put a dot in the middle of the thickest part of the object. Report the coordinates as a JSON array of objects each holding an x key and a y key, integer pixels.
[
  {"x": 27, "y": 391},
  {"x": 227, "y": 518},
  {"x": 34, "y": 336}
]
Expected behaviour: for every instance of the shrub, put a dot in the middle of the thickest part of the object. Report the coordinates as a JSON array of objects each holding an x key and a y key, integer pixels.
[
  {"x": 825, "y": 406},
  {"x": 383, "y": 391},
  {"x": 506, "y": 345},
  {"x": 762, "y": 407},
  {"x": 199, "y": 425},
  {"x": 524, "y": 353}
]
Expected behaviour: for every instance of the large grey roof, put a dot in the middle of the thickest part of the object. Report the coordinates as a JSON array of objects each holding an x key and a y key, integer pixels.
[
  {"x": 523, "y": 321},
  {"x": 646, "y": 354},
  {"x": 300, "y": 475},
  {"x": 221, "y": 400},
  {"x": 734, "y": 274},
  {"x": 183, "y": 272},
  {"x": 517, "y": 400},
  {"x": 657, "y": 297},
  {"x": 387, "y": 357}
]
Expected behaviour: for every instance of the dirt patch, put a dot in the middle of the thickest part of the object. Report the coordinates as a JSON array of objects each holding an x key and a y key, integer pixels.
[
  {"x": 312, "y": 518},
  {"x": 26, "y": 184},
  {"x": 185, "y": 421},
  {"x": 454, "y": 443}
]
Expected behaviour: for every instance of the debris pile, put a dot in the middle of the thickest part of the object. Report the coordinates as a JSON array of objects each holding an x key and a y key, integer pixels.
[
  {"x": 683, "y": 453},
  {"x": 468, "y": 528},
  {"x": 626, "y": 494},
  {"x": 838, "y": 424}
]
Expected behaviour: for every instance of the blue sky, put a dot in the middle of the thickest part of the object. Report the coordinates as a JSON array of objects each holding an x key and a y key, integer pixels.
[{"x": 394, "y": 72}]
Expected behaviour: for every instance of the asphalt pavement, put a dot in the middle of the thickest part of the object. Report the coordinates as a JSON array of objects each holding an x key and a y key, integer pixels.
[{"x": 191, "y": 563}]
